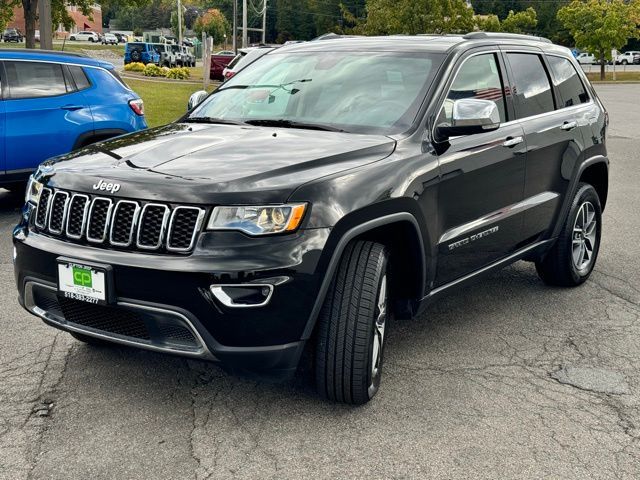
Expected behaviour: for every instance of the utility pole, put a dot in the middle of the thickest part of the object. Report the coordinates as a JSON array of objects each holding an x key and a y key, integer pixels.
[
  {"x": 264, "y": 23},
  {"x": 179, "y": 22},
  {"x": 46, "y": 28},
  {"x": 235, "y": 26},
  {"x": 245, "y": 36}
]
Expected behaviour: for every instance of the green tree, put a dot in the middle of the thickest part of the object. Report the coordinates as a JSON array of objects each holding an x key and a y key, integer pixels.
[
  {"x": 214, "y": 24},
  {"x": 599, "y": 26},
  {"x": 6, "y": 12},
  {"x": 174, "y": 21},
  {"x": 411, "y": 17},
  {"x": 521, "y": 22},
  {"x": 488, "y": 23}
]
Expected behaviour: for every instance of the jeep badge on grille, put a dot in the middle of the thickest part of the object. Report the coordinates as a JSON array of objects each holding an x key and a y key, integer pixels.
[{"x": 104, "y": 186}]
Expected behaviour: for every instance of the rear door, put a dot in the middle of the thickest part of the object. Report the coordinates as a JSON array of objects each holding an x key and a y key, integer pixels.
[
  {"x": 554, "y": 141},
  {"x": 482, "y": 176},
  {"x": 47, "y": 113}
]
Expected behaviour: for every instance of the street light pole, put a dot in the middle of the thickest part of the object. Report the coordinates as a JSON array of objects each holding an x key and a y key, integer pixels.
[
  {"x": 245, "y": 36},
  {"x": 264, "y": 23}
]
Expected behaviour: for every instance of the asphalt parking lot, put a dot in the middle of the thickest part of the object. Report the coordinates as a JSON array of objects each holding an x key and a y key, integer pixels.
[{"x": 505, "y": 379}]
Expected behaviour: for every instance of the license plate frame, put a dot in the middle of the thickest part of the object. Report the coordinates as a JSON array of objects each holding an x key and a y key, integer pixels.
[{"x": 85, "y": 281}]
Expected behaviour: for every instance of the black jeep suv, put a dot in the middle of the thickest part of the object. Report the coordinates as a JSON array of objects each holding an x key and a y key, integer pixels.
[{"x": 324, "y": 189}]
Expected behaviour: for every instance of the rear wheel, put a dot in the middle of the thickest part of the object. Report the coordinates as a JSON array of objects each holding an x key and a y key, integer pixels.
[
  {"x": 572, "y": 258},
  {"x": 352, "y": 324}
]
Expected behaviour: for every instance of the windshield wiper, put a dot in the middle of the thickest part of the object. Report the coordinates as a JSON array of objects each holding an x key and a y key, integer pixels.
[
  {"x": 292, "y": 124},
  {"x": 266, "y": 85},
  {"x": 220, "y": 121}
]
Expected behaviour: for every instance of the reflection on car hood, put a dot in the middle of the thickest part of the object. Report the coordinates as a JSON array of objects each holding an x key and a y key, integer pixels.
[{"x": 203, "y": 163}]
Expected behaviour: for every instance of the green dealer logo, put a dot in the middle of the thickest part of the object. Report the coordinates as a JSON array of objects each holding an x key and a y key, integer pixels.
[{"x": 82, "y": 277}]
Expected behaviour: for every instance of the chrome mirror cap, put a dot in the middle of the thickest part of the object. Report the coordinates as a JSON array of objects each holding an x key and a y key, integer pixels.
[{"x": 196, "y": 98}]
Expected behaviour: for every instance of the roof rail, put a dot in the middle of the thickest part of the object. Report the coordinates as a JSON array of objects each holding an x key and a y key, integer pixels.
[
  {"x": 506, "y": 36},
  {"x": 48, "y": 52}
]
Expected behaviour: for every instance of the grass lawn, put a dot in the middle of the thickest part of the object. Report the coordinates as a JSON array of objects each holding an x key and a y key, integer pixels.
[
  {"x": 620, "y": 76},
  {"x": 163, "y": 102}
]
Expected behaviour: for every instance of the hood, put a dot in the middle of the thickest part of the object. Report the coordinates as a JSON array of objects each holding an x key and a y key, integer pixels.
[{"x": 198, "y": 163}]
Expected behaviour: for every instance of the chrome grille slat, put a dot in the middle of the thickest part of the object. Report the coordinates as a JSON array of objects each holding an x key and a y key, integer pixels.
[
  {"x": 77, "y": 216},
  {"x": 120, "y": 224},
  {"x": 152, "y": 229},
  {"x": 123, "y": 223},
  {"x": 58, "y": 212},
  {"x": 184, "y": 229},
  {"x": 42, "y": 212},
  {"x": 98, "y": 223}
]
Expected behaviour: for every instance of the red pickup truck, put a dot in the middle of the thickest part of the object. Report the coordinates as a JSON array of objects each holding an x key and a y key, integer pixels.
[{"x": 219, "y": 61}]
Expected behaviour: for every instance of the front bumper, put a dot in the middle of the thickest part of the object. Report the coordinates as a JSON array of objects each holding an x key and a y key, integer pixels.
[{"x": 155, "y": 294}]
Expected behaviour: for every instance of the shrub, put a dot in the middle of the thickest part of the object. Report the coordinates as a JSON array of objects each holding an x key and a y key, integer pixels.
[
  {"x": 134, "y": 67},
  {"x": 152, "y": 70},
  {"x": 178, "y": 73}
]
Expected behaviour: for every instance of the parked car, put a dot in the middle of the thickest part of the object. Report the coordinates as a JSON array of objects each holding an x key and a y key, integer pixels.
[
  {"x": 140, "y": 52},
  {"x": 586, "y": 59},
  {"x": 55, "y": 102},
  {"x": 37, "y": 35},
  {"x": 109, "y": 39},
  {"x": 12, "y": 35},
  {"x": 245, "y": 57},
  {"x": 626, "y": 58},
  {"x": 219, "y": 61},
  {"x": 167, "y": 57},
  {"x": 122, "y": 38},
  {"x": 318, "y": 193},
  {"x": 636, "y": 59},
  {"x": 188, "y": 58},
  {"x": 85, "y": 36}
]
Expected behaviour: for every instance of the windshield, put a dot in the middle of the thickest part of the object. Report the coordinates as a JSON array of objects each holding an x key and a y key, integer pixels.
[{"x": 360, "y": 92}]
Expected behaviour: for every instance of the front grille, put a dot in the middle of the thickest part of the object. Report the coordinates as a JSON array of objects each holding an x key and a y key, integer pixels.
[{"x": 122, "y": 224}]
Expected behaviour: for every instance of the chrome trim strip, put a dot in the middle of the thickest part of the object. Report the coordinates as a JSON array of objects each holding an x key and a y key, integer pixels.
[
  {"x": 134, "y": 223},
  {"x": 52, "y": 201},
  {"x": 227, "y": 301},
  {"x": 85, "y": 211},
  {"x": 46, "y": 216},
  {"x": 196, "y": 229},
  {"x": 204, "y": 351},
  {"x": 106, "y": 224},
  {"x": 163, "y": 228},
  {"x": 20, "y": 170},
  {"x": 498, "y": 215}
]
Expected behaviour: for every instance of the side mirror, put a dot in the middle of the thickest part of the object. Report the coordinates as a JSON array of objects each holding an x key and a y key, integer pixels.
[
  {"x": 470, "y": 116},
  {"x": 196, "y": 98}
]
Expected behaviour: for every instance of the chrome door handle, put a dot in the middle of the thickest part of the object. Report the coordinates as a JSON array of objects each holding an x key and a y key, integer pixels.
[
  {"x": 569, "y": 125},
  {"x": 512, "y": 142}
]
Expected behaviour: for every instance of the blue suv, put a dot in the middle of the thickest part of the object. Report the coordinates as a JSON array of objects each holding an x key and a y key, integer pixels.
[
  {"x": 141, "y": 52},
  {"x": 55, "y": 102}
]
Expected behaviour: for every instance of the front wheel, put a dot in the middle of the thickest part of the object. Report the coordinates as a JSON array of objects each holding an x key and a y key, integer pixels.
[
  {"x": 624, "y": 62},
  {"x": 572, "y": 258},
  {"x": 352, "y": 324}
]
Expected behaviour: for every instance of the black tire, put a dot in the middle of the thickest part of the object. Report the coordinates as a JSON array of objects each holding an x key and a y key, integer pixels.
[
  {"x": 18, "y": 187},
  {"x": 558, "y": 266},
  {"x": 347, "y": 367},
  {"x": 135, "y": 55},
  {"x": 90, "y": 340},
  {"x": 624, "y": 62}
]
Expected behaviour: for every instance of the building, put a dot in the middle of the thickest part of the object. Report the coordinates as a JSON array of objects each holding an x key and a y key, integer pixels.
[{"x": 91, "y": 22}]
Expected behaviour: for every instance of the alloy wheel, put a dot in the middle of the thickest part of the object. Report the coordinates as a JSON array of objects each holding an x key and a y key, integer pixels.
[
  {"x": 585, "y": 238},
  {"x": 378, "y": 336}
]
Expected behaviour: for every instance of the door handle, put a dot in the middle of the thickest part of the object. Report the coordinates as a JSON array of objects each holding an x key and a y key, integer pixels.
[
  {"x": 72, "y": 107},
  {"x": 569, "y": 125},
  {"x": 512, "y": 141}
]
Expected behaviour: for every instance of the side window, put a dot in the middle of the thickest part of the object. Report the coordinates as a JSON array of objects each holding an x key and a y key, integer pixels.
[
  {"x": 79, "y": 78},
  {"x": 478, "y": 77},
  {"x": 567, "y": 81},
  {"x": 35, "y": 79},
  {"x": 531, "y": 84}
]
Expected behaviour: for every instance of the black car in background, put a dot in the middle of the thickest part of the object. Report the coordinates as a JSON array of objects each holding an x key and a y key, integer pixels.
[
  {"x": 323, "y": 190},
  {"x": 12, "y": 35}
]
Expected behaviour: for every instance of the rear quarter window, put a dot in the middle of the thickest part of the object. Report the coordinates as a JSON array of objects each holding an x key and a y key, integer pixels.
[
  {"x": 79, "y": 77},
  {"x": 567, "y": 81}
]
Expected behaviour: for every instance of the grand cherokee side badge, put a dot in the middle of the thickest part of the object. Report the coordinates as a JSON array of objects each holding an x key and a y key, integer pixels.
[
  {"x": 473, "y": 238},
  {"x": 104, "y": 186}
]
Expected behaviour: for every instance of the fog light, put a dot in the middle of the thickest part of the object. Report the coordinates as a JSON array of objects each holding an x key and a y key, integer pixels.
[{"x": 247, "y": 295}]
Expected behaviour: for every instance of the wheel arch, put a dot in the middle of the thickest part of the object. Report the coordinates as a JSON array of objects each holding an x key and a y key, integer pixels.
[
  {"x": 597, "y": 175},
  {"x": 93, "y": 136},
  {"x": 403, "y": 235}
]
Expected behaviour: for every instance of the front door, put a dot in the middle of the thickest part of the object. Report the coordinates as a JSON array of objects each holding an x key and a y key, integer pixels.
[
  {"x": 47, "y": 114},
  {"x": 482, "y": 177}
]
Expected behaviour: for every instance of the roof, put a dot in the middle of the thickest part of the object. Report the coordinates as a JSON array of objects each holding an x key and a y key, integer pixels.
[
  {"x": 418, "y": 43},
  {"x": 52, "y": 56}
]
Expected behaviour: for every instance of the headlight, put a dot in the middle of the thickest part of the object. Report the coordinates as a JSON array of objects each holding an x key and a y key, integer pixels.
[
  {"x": 258, "y": 220},
  {"x": 34, "y": 189}
]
